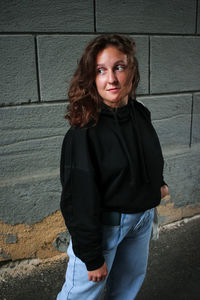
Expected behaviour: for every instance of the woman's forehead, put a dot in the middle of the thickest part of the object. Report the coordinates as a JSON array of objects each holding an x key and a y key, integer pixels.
[{"x": 110, "y": 55}]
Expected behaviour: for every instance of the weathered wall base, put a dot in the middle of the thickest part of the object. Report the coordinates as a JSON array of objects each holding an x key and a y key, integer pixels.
[
  {"x": 40, "y": 240},
  {"x": 30, "y": 241},
  {"x": 168, "y": 213}
]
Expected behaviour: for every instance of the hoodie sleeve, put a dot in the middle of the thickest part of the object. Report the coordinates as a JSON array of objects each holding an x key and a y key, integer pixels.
[
  {"x": 163, "y": 183},
  {"x": 147, "y": 114},
  {"x": 80, "y": 198}
]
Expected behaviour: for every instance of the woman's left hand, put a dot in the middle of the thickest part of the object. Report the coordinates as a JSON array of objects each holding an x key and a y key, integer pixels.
[{"x": 164, "y": 191}]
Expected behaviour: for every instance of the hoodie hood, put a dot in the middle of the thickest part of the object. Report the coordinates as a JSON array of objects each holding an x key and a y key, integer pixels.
[{"x": 121, "y": 115}]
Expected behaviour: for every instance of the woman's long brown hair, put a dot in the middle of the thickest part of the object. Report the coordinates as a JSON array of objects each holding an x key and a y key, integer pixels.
[{"x": 84, "y": 100}]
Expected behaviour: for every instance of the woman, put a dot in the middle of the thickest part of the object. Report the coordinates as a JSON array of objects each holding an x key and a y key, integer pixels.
[{"x": 111, "y": 175}]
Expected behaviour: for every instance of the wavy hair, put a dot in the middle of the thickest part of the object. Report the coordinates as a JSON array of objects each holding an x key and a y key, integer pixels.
[{"x": 84, "y": 100}]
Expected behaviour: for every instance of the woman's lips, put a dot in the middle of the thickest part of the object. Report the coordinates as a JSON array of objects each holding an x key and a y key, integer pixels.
[{"x": 113, "y": 90}]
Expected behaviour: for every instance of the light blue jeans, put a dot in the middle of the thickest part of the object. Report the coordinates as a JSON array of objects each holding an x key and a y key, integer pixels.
[{"x": 125, "y": 249}]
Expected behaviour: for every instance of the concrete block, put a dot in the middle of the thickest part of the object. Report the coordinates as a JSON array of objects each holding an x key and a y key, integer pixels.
[
  {"x": 30, "y": 200},
  {"x": 198, "y": 20},
  {"x": 150, "y": 16},
  {"x": 30, "y": 147},
  {"x": 30, "y": 158},
  {"x": 58, "y": 56},
  {"x": 46, "y": 16},
  {"x": 31, "y": 138},
  {"x": 142, "y": 54},
  {"x": 171, "y": 116},
  {"x": 196, "y": 119},
  {"x": 182, "y": 176},
  {"x": 174, "y": 64},
  {"x": 18, "y": 69}
]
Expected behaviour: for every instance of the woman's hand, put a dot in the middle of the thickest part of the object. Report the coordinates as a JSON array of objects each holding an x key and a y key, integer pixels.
[
  {"x": 164, "y": 191},
  {"x": 98, "y": 274}
]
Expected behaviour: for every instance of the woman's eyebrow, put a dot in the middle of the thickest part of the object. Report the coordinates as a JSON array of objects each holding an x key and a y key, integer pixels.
[
  {"x": 100, "y": 65},
  {"x": 117, "y": 62}
]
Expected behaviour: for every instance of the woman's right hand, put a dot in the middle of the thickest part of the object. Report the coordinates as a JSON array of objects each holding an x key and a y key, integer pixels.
[
  {"x": 164, "y": 191},
  {"x": 98, "y": 274}
]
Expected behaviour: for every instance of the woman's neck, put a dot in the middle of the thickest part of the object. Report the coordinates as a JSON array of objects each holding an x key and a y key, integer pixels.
[{"x": 116, "y": 104}]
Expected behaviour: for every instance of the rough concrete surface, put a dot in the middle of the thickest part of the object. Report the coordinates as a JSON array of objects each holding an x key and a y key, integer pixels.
[
  {"x": 173, "y": 271},
  {"x": 196, "y": 119},
  {"x": 18, "y": 82},
  {"x": 171, "y": 116},
  {"x": 169, "y": 70},
  {"x": 144, "y": 16},
  {"x": 46, "y": 16}
]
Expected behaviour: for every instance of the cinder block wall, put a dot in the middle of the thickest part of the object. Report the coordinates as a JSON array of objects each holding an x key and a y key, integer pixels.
[{"x": 40, "y": 44}]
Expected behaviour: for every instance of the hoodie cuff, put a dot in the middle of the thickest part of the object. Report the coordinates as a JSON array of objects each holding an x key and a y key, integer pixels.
[
  {"x": 163, "y": 183},
  {"x": 95, "y": 264}
]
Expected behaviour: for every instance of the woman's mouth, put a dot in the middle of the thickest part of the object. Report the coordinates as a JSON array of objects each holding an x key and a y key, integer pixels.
[{"x": 113, "y": 90}]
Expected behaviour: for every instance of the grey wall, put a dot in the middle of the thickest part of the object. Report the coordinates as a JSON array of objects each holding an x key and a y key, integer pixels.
[{"x": 40, "y": 44}]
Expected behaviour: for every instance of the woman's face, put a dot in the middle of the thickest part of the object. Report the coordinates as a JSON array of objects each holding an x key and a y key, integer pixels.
[{"x": 112, "y": 81}]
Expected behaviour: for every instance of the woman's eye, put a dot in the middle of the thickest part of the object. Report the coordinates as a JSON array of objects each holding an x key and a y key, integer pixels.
[
  {"x": 100, "y": 71},
  {"x": 120, "y": 68}
]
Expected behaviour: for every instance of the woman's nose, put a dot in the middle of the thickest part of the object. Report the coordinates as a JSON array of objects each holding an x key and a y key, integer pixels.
[{"x": 111, "y": 76}]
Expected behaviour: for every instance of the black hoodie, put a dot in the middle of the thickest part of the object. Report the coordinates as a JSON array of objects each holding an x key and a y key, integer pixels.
[{"x": 116, "y": 165}]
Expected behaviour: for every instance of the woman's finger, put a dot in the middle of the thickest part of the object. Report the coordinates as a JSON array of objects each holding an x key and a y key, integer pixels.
[{"x": 98, "y": 279}]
